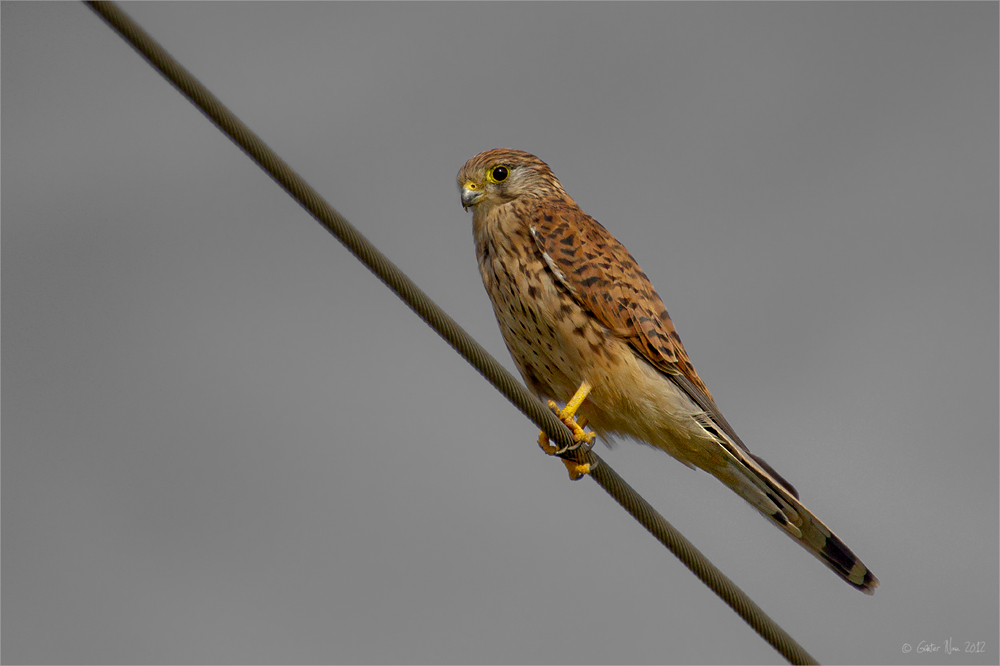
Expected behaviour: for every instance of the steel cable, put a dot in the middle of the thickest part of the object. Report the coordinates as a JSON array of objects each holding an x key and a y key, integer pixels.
[{"x": 447, "y": 328}]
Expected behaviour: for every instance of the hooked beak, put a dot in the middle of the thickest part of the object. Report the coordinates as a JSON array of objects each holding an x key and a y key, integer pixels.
[{"x": 471, "y": 194}]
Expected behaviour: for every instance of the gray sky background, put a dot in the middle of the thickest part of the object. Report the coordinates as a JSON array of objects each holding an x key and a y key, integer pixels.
[{"x": 226, "y": 441}]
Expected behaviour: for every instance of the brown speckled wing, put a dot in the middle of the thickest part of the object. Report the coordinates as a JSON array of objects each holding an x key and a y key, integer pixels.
[{"x": 604, "y": 278}]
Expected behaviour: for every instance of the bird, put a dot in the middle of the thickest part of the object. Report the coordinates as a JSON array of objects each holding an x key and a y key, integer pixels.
[{"x": 584, "y": 324}]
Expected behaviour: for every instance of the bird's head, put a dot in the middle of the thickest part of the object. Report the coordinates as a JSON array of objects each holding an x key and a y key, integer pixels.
[{"x": 497, "y": 176}]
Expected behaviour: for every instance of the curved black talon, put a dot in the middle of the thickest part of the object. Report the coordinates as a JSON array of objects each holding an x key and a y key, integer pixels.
[{"x": 576, "y": 446}]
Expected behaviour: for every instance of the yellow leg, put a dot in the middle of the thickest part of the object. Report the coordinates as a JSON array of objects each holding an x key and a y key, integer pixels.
[{"x": 580, "y": 437}]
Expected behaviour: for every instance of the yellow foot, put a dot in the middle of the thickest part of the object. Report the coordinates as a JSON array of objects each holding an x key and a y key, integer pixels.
[
  {"x": 576, "y": 470},
  {"x": 580, "y": 436}
]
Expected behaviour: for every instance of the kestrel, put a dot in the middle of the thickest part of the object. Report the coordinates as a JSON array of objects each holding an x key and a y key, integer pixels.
[{"x": 582, "y": 321}]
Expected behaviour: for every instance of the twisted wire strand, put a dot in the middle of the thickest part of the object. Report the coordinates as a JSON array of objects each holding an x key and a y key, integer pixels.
[{"x": 447, "y": 328}]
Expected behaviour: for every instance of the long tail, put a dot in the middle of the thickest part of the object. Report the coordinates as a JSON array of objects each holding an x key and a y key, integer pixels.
[{"x": 756, "y": 482}]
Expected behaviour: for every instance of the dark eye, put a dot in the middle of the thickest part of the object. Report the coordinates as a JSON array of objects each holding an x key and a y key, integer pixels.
[{"x": 500, "y": 173}]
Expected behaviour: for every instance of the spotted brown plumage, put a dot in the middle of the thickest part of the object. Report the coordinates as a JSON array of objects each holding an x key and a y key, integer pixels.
[{"x": 581, "y": 319}]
